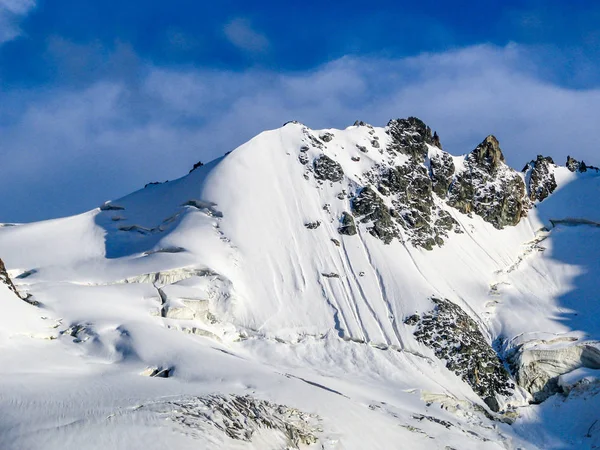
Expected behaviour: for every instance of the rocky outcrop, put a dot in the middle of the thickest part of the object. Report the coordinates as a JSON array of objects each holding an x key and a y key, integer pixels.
[
  {"x": 456, "y": 339},
  {"x": 441, "y": 172},
  {"x": 5, "y": 279},
  {"x": 371, "y": 209},
  {"x": 410, "y": 136},
  {"x": 540, "y": 176},
  {"x": 489, "y": 188},
  {"x": 312, "y": 225},
  {"x": 575, "y": 166},
  {"x": 327, "y": 169},
  {"x": 347, "y": 227},
  {"x": 408, "y": 188},
  {"x": 403, "y": 197}
]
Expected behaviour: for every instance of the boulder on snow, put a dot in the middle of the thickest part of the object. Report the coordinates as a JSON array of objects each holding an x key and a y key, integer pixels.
[{"x": 347, "y": 227}]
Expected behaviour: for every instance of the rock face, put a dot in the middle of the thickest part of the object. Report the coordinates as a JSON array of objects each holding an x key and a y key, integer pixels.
[
  {"x": 575, "y": 166},
  {"x": 327, "y": 169},
  {"x": 489, "y": 188},
  {"x": 371, "y": 209},
  {"x": 409, "y": 188},
  {"x": 4, "y": 278},
  {"x": 485, "y": 186},
  {"x": 456, "y": 339},
  {"x": 541, "y": 178},
  {"x": 410, "y": 194},
  {"x": 441, "y": 172},
  {"x": 410, "y": 136}
]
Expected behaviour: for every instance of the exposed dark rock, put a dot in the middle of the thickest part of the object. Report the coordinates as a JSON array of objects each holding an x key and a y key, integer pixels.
[
  {"x": 5, "y": 279},
  {"x": 371, "y": 209},
  {"x": 456, "y": 339},
  {"x": 303, "y": 158},
  {"x": 488, "y": 154},
  {"x": 355, "y": 158},
  {"x": 436, "y": 140},
  {"x": 196, "y": 166},
  {"x": 347, "y": 227},
  {"x": 336, "y": 242},
  {"x": 312, "y": 225},
  {"x": 326, "y": 137},
  {"x": 206, "y": 207},
  {"x": 330, "y": 275},
  {"x": 401, "y": 196},
  {"x": 489, "y": 188},
  {"x": 492, "y": 403},
  {"x": 412, "y": 320},
  {"x": 442, "y": 422},
  {"x": 154, "y": 183},
  {"x": 410, "y": 136},
  {"x": 572, "y": 164},
  {"x": 542, "y": 182},
  {"x": 441, "y": 172},
  {"x": 579, "y": 166},
  {"x": 108, "y": 206},
  {"x": 153, "y": 372},
  {"x": 410, "y": 187},
  {"x": 327, "y": 169}
]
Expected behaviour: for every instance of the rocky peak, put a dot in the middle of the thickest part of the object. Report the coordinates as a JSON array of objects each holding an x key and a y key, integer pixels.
[
  {"x": 408, "y": 198},
  {"x": 436, "y": 140},
  {"x": 410, "y": 136},
  {"x": 489, "y": 188},
  {"x": 579, "y": 166},
  {"x": 488, "y": 154},
  {"x": 541, "y": 180}
]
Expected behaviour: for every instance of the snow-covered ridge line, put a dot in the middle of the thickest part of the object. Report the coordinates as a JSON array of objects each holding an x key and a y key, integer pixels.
[{"x": 364, "y": 276}]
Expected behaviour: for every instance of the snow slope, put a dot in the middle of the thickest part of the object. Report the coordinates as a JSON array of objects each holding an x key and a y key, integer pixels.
[{"x": 223, "y": 282}]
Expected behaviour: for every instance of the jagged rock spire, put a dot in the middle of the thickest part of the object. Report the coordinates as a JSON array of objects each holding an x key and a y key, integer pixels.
[{"x": 488, "y": 153}]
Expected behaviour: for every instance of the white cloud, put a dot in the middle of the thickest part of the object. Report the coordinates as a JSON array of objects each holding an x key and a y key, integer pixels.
[
  {"x": 11, "y": 12},
  {"x": 75, "y": 148},
  {"x": 241, "y": 34}
]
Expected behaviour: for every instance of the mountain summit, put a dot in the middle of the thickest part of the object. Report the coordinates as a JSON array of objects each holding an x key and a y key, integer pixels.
[{"x": 330, "y": 289}]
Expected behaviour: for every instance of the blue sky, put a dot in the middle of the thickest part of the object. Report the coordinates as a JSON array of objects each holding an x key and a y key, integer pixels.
[{"x": 99, "y": 98}]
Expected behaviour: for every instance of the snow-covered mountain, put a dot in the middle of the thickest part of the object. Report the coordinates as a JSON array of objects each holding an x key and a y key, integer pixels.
[{"x": 322, "y": 289}]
